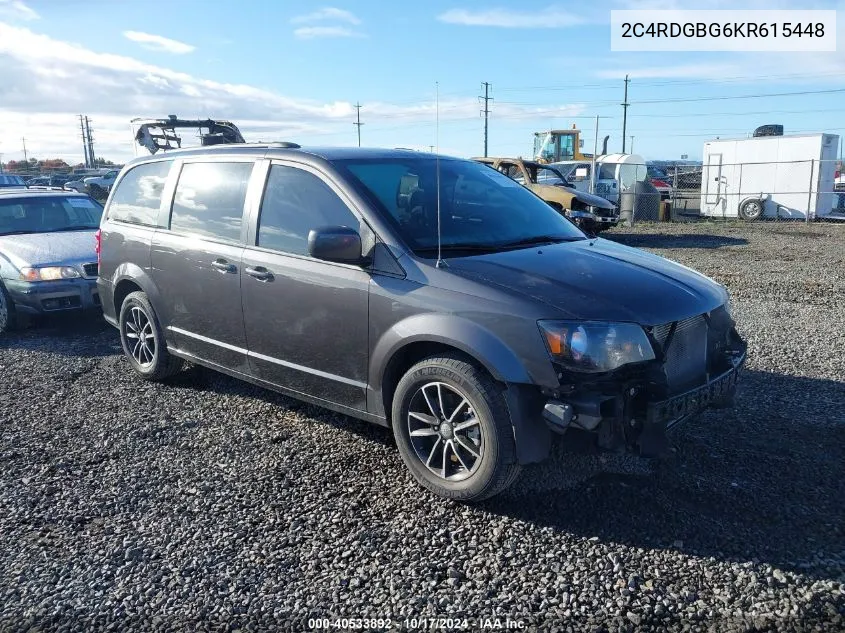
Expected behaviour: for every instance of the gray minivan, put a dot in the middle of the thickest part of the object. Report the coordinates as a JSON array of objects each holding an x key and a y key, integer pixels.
[{"x": 431, "y": 295}]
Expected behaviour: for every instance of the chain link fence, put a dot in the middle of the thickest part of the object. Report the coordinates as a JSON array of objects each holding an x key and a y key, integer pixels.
[{"x": 801, "y": 190}]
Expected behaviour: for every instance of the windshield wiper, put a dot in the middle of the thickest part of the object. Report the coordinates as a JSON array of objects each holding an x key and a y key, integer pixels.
[
  {"x": 16, "y": 233},
  {"x": 536, "y": 240},
  {"x": 73, "y": 228},
  {"x": 461, "y": 246}
]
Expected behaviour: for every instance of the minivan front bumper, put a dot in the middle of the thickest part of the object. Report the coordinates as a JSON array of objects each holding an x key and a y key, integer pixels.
[
  {"x": 639, "y": 418},
  {"x": 44, "y": 297}
]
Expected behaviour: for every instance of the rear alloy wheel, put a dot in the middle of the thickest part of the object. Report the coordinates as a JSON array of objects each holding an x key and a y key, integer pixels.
[
  {"x": 143, "y": 340},
  {"x": 8, "y": 317},
  {"x": 453, "y": 429},
  {"x": 751, "y": 210}
]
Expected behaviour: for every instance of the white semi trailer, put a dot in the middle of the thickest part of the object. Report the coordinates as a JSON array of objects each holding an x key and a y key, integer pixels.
[{"x": 789, "y": 176}]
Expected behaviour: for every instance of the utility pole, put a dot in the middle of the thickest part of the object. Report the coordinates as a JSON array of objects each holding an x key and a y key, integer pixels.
[
  {"x": 632, "y": 143},
  {"x": 486, "y": 111},
  {"x": 593, "y": 165},
  {"x": 625, "y": 105},
  {"x": 358, "y": 123},
  {"x": 84, "y": 140},
  {"x": 24, "y": 150},
  {"x": 431, "y": 148},
  {"x": 90, "y": 143}
]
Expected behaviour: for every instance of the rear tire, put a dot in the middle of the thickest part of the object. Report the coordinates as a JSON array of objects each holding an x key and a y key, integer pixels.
[
  {"x": 143, "y": 339},
  {"x": 8, "y": 315},
  {"x": 453, "y": 429}
]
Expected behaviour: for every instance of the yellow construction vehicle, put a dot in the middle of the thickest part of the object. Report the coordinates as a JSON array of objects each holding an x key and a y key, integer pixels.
[{"x": 559, "y": 145}]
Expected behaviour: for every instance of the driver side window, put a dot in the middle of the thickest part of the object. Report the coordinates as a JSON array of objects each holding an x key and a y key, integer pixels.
[{"x": 296, "y": 201}]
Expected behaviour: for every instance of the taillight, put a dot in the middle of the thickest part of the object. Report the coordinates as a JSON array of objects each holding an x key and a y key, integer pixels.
[{"x": 97, "y": 243}]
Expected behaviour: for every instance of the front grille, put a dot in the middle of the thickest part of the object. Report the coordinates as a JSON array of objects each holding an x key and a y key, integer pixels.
[
  {"x": 91, "y": 270},
  {"x": 685, "y": 353}
]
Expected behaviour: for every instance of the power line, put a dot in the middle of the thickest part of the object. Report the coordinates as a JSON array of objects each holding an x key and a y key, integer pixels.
[
  {"x": 744, "y": 113},
  {"x": 358, "y": 123},
  {"x": 750, "y": 96},
  {"x": 486, "y": 112},
  {"x": 672, "y": 82}
]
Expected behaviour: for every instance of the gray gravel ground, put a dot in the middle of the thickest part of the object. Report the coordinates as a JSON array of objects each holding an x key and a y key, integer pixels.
[{"x": 207, "y": 504}]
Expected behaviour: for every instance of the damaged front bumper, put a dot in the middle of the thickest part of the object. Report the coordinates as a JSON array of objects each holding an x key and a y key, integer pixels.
[{"x": 637, "y": 417}]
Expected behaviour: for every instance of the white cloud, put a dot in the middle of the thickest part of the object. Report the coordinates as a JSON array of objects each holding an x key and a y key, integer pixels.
[
  {"x": 313, "y": 32},
  {"x": 113, "y": 89},
  {"x": 548, "y": 18},
  {"x": 159, "y": 43},
  {"x": 327, "y": 13},
  {"x": 17, "y": 10}
]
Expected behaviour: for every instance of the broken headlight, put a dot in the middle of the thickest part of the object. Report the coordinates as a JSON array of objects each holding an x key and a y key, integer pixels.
[{"x": 595, "y": 347}]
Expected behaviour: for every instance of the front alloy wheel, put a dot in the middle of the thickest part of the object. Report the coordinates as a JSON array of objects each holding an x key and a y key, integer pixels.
[
  {"x": 453, "y": 429},
  {"x": 445, "y": 432}
]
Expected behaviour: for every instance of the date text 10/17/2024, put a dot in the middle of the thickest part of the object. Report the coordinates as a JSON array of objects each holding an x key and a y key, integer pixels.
[{"x": 416, "y": 624}]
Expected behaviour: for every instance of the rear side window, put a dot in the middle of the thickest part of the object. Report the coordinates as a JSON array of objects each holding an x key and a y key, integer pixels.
[
  {"x": 296, "y": 201},
  {"x": 138, "y": 196},
  {"x": 209, "y": 200}
]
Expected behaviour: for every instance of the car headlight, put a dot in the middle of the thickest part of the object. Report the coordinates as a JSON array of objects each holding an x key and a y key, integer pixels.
[
  {"x": 595, "y": 347},
  {"x": 49, "y": 273}
]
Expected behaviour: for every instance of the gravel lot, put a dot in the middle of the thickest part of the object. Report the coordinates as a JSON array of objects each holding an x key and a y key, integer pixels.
[{"x": 207, "y": 504}]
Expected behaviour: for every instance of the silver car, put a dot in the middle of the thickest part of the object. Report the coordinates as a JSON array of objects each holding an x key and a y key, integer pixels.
[{"x": 48, "y": 255}]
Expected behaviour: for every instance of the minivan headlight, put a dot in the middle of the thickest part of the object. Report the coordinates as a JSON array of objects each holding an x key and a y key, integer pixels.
[
  {"x": 595, "y": 347},
  {"x": 49, "y": 273}
]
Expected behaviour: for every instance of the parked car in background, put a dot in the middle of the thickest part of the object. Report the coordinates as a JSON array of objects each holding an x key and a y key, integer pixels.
[
  {"x": 660, "y": 180},
  {"x": 48, "y": 181},
  {"x": 48, "y": 259},
  {"x": 589, "y": 212},
  {"x": 432, "y": 295},
  {"x": 97, "y": 186},
  {"x": 11, "y": 181}
]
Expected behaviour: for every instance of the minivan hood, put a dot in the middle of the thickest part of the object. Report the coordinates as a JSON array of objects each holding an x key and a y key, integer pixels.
[
  {"x": 597, "y": 280},
  {"x": 40, "y": 249}
]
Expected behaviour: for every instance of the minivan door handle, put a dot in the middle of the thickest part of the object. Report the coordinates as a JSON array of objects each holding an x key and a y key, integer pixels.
[
  {"x": 223, "y": 266},
  {"x": 259, "y": 272}
]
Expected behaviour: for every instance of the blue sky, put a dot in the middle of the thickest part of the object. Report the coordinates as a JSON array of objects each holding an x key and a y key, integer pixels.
[{"x": 294, "y": 70}]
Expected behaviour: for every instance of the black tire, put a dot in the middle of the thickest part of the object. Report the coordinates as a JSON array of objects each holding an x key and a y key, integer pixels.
[
  {"x": 8, "y": 315},
  {"x": 152, "y": 363},
  {"x": 751, "y": 210},
  {"x": 495, "y": 468}
]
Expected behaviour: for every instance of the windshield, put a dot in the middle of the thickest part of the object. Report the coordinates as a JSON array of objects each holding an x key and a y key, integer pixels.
[
  {"x": 547, "y": 176},
  {"x": 480, "y": 208},
  {"x": 44, "y": 214}
]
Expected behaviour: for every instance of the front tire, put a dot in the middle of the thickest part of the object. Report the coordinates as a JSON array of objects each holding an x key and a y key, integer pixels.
[
  {"x": 143, "y": 339},
  {"x": 8, "y": 315},
  {"x": 453, "y": 429}
]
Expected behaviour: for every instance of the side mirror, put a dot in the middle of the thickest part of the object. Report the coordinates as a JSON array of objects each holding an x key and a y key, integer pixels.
[{"x": 338, "y": 244}]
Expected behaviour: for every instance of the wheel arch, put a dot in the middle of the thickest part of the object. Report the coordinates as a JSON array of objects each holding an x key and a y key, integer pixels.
[
  {"x": 129, "y": 278},
  {"x": 411, "y": 340}
]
